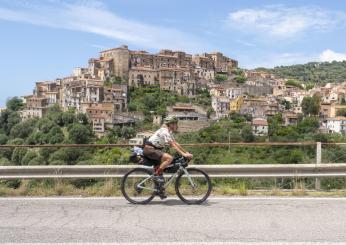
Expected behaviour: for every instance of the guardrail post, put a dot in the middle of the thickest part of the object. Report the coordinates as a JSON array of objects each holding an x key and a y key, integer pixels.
[{"x": 318, "y": 161}]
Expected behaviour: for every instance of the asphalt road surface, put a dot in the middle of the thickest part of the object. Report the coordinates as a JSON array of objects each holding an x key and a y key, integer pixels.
[{"x": 59, "y": 220}]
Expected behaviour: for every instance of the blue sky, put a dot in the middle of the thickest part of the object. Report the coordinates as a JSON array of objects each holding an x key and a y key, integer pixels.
[{"x": 44, "y": 40}]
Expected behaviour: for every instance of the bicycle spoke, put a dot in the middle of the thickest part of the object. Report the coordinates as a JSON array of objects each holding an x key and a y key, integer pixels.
[
  {"x": 138, "y": 187},
  {"x": 193, "y": 186}
]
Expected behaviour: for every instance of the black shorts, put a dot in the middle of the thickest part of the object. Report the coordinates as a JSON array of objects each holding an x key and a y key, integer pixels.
[{"x": 153, "y": 153}]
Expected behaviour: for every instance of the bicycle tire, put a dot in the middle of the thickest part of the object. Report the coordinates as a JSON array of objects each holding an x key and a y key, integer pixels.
[
  {"x": 124, "y": 181},
  {"x": 179, "y": 187}
]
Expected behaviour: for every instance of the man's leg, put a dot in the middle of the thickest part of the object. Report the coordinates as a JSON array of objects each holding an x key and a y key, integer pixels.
[{"x": 165, "y": 161}]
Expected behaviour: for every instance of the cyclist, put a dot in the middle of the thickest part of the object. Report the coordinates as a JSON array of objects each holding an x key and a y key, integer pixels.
[{"x": 153, "y": 148}]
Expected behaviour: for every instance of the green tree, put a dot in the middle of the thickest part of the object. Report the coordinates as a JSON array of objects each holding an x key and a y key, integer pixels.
[
  {"x": 7, "y": 120},
  {"x": 39, "y": 160},
  {"x": 295, "y": 156},
  {"x": 3, "y": 139},
  {"x": 82, "y": 118},
  {"x": 65, "y": 156},
  {"x": 128, "y": 132},
  {"x": 311, "y": 105},
  {"x": 240, "y": 79},
  {"x": 29, "y": 155},
  {"x": 55, "y": 135},
  {"x": 14, "y": 104},
  {"x": 23, "y": 129},
  {"x": 247, "y": 134},
  {"x": 18, "y": 155},
  {"x": 294, "y": 83},
  {"x": 68, "y": 117},
  {"x": 308, "y": 125},
  {"x": 45, "y": 124},
  {"x": 36, "y": 138},
  {"x": 4, "y": 161},
  {"x": 287, "y": 105},
  {"x": 221, "y": 77},
  {"x": 79, "y": 134}
]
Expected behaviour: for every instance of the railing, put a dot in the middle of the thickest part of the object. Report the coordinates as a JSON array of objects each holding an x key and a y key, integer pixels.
[
  {"x": 186, "y": 145},
  {"x": 216, "y": 171},
  {"x": 315, "y": 170}
]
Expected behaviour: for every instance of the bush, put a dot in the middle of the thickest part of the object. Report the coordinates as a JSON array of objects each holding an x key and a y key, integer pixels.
[
  {"x": 296, "y": 156},
  {"x": 18, "y": 155},
  {"x": 247, "y": 134},
  {"x": 3, "y": 139},
  {"x": 79, "y": 134},
  {"x": 221, "y": 77},
  {"x": 4, "y": 161},
  {"x": 24, "y": 129},
  {"x": 30, "y": 155},
  {"x": 38, "y": 160}
]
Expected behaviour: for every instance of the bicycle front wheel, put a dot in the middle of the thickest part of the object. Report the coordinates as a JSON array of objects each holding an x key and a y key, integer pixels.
[
  {"x": 137, "y": 186},
  {"x": 193, "y": 187}
]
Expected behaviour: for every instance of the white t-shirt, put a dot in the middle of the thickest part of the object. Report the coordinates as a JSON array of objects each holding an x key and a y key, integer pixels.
[{"x": 161, "y": 138}]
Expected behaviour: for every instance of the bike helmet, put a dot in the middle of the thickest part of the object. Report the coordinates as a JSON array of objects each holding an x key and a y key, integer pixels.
[{"x": 170, "y": 119}]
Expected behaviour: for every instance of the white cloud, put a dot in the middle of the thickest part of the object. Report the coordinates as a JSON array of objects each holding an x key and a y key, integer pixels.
[
  {"x": 330, "y": 55},
  {"x": 93, "y": 17},
  {"x": 272, "y": 60},
  {"x": 284, "y": 22}
]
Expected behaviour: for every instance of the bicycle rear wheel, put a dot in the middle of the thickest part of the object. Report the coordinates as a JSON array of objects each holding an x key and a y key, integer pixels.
[
  {"x": 138, "y": 187},
  {"x": 194, "y": 187}
]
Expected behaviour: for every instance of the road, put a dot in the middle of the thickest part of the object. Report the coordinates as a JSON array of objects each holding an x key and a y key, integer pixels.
[{"x": 237, "y": 219}]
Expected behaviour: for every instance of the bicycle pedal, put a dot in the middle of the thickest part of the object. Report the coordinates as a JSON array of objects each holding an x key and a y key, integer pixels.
[{"x": 162, "y": 195}]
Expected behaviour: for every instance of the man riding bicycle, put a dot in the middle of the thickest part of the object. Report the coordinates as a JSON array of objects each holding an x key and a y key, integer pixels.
[{"x": 154, "y": 145}]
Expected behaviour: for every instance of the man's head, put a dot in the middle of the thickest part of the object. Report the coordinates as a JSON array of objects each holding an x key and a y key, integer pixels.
[{"x": 171, "y": 122}]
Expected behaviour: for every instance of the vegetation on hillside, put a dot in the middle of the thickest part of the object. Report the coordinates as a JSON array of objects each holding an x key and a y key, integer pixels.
[
  {"x": 313, "y": 72},
  {"x": 151, "y": 100}
]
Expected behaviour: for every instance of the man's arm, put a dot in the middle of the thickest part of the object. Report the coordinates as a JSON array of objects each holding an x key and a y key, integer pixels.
[
  {"x": 179, "y": 146},
  {"x": 180, "y": 150}
]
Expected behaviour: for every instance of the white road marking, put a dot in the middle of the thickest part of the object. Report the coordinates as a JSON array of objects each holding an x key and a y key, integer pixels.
[{"x": 175, "y": 198}]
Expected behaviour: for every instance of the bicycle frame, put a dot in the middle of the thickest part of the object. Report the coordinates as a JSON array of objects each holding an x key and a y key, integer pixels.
[{"x": 170, "y": 180}]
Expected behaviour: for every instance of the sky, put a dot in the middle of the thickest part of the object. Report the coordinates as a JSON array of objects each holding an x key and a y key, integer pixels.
[{"x": 45, "y": 39}]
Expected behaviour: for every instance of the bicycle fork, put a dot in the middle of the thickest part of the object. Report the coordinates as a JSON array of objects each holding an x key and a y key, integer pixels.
[{"x": 189, "y": 178}]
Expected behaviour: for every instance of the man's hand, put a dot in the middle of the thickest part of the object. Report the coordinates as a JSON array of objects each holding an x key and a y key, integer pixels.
[{"x": 188, "y": 155}]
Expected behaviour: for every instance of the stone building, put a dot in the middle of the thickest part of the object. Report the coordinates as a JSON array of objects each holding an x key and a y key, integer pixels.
[
  {"x": 191, "y": 118},
  {"x": 254, "y": 107},
  {"x": 259, "y": 126},
  {"x": 49, "y": 90},
  {"x": 336, "y": 125},
  {"x": 330, "y": 110},
  {"x": 100, "y": 114},
  {"x": 290, "y": 118},
  {"x": 80, "y": 72},
  {"x": 141, "y": 76},
  {"x": 255, "y": 75},
  {"x": 178, "y": 80},
  {"x": 223, "y": 63},
  {"x": 221, "y": 106},
  {"x": 235, "y": 104},
  {"x": 34, "y": 107},
  {"x": 175, "y": 71},
  {"x": 257, "y": 88},
  {"x": 75, "y": 91},
  {"x": 117, "y": 94},
  {"x": 118, "y": 60}
]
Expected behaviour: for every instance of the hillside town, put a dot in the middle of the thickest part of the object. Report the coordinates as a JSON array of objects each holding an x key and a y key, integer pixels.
[{"x": 101, "y": 91}]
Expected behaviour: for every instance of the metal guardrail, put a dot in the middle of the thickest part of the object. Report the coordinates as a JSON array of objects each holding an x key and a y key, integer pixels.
[
  {"x": 218, "y": 171},
  {"x": 216, "y": 144}
]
